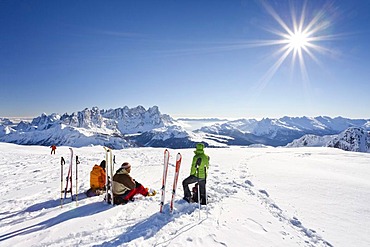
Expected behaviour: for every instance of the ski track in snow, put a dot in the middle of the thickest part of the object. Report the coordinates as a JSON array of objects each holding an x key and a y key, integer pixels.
[{"x": 143, "y": 222}]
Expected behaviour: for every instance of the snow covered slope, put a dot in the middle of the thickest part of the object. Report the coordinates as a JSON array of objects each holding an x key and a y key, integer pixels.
[{"x": 258, "y": 197}]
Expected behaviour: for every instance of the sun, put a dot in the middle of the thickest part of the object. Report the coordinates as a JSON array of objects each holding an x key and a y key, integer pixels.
[{"x": 298, "y": 41}]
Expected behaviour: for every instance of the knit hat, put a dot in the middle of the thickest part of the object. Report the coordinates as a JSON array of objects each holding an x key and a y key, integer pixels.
[{"x": 125, "y": 165}]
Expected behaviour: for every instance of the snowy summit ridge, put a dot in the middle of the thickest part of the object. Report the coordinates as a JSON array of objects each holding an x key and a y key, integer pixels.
[{"x": 87, "y": 127}]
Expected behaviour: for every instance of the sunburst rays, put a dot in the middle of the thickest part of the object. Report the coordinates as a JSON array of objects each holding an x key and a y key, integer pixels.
[{"x": 299, "y": 36}]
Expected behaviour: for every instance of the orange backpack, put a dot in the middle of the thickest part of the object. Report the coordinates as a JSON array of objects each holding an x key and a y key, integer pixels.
[{"x": 97, "y": 177}]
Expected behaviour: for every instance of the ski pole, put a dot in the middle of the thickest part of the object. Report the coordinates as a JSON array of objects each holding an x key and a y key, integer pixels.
[
  {"x": 198, "y": 192},
  {"x": 111, "y": 176},
  {"x": 77, "y": 162},
  {"x": 199, "y": 161},
  {"x": 62, "y": 162},
  {"x": 106, "y": 177},
  {"x": 205, "y": 189},
  {"x": 70, "y": 175}
]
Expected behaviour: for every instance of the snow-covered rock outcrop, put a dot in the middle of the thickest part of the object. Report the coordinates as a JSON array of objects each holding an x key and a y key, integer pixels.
[
  {"x": 311, "y": 141},
  {"x": 353, "y": 139}
]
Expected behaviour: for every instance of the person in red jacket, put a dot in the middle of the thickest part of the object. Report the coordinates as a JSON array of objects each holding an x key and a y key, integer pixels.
[
  {"x": 97, "y": 180},
  {"x": 53, "y": 148},
  {"x": 125, "y": 187}
]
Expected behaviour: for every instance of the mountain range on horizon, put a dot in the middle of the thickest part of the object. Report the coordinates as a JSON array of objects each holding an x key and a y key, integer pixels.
[{"x": 136, "y": 127}]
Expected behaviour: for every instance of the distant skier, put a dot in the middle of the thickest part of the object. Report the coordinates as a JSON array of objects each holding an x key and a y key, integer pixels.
[
  {"x": 198, "y": 174},
  {"x": 125, "y": 187},
  {"x": 97, "y": 180},
  {"x": 53, "y": 148}
]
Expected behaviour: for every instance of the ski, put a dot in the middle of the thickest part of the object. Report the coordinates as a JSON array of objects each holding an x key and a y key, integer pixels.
[
  {"x": 69, "y": 177},
  {"x": 164, "y": 178},
  {"x": 177, "y": 170},
  {"x": 62, "y": 162},
  {"x": 114, "y": 161},
  {"x": 109, "y": 179}
]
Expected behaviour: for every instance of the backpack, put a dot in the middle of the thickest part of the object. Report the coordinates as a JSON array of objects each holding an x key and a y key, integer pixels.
[
  {"x": 94, "y": 192},
  {"x": 194, "y": 196},
  {"x": 194, "y": 193}
]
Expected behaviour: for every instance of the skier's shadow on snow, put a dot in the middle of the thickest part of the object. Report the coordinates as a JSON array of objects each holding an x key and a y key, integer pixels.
[
  {"x": 78, "y": 212},
  {"x": 149, "y": 227},
  {"x": 40, "y": 206}
]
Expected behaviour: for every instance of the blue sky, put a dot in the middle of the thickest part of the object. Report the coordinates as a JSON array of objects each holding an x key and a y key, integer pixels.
[{"x": 190, "y": 58}]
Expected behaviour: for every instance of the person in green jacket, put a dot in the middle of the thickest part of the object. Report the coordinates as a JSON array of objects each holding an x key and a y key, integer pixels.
[{"x": 198, "y": 174}]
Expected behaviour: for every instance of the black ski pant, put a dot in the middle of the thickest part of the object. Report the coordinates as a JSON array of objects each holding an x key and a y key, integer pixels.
[{"x": 193, "y": 179}]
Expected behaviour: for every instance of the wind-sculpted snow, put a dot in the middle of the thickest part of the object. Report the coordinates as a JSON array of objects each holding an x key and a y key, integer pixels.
[{"x": 257, "y": 197}]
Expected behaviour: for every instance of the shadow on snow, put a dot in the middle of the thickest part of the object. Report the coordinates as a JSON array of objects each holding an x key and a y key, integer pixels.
[
  {"x": 82, "y": 211},
  {"x": 149, "y": 227},
  {"x": 40, "y": 206}
]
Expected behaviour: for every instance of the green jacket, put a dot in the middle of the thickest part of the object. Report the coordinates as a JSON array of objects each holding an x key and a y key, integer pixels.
[{"x": 199, "y": 153}]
